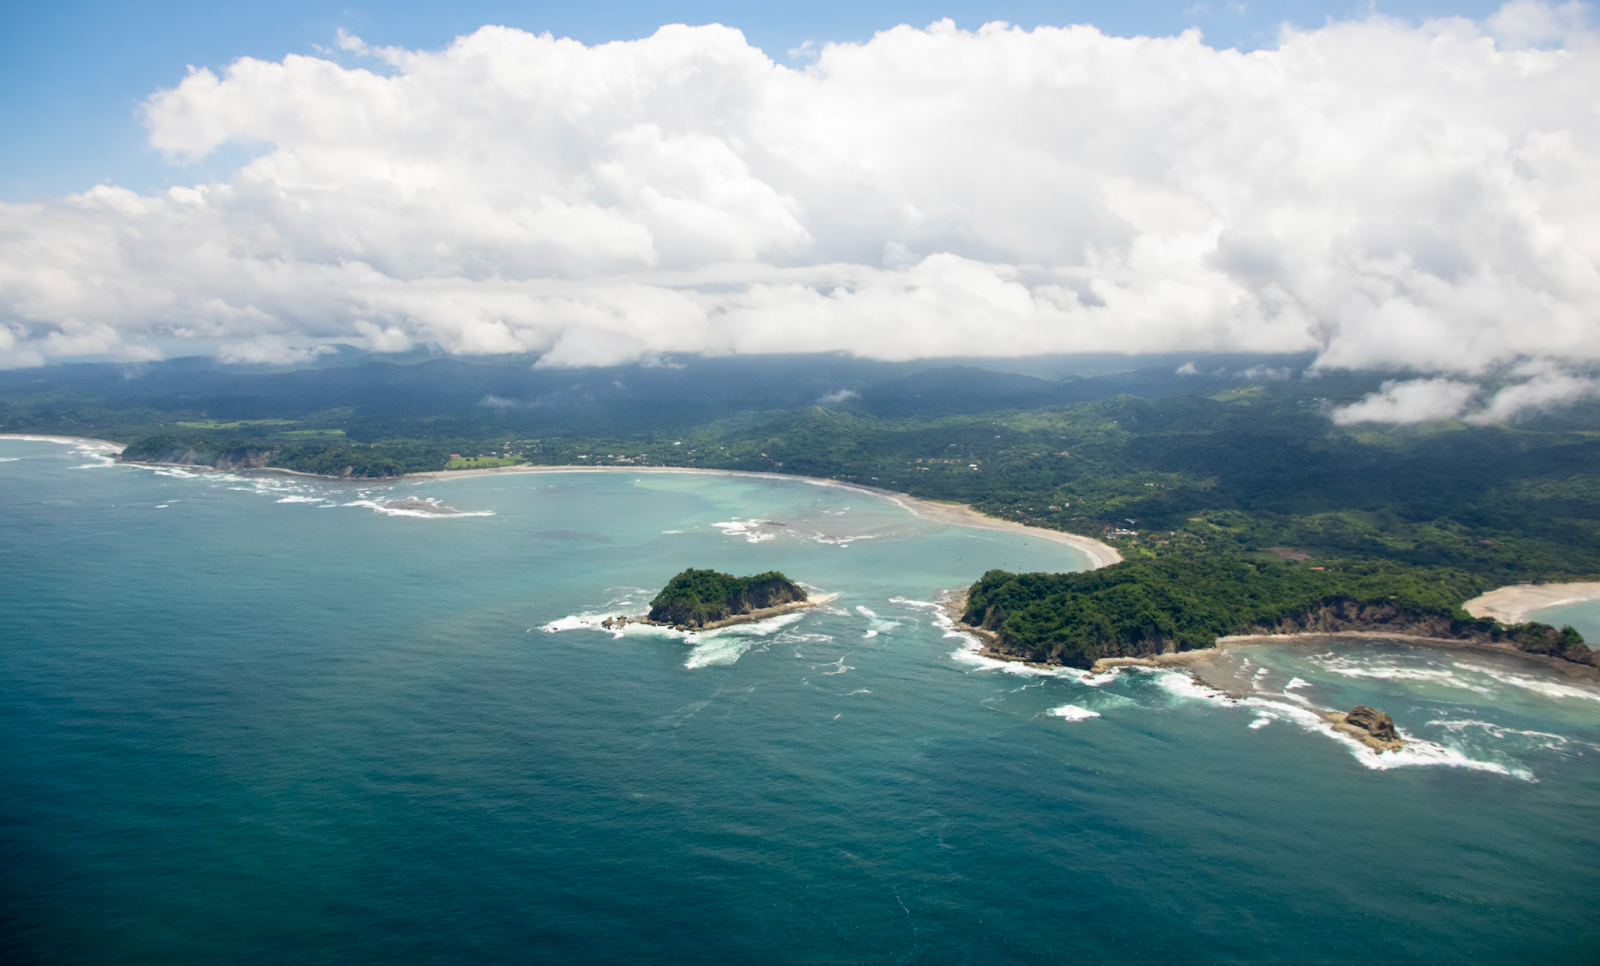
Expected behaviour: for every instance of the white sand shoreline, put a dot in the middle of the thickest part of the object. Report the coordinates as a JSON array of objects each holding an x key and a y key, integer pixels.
[
  {"x": 1512, "y": 605},
  {"x": 42, "y": 438}
]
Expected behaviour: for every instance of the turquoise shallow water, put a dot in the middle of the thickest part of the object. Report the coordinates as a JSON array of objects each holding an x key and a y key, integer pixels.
[{"x": 245, "y": 722}]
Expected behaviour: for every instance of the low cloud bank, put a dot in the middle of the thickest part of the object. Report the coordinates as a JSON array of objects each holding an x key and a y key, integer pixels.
[{"x": 1420, "y": 197}]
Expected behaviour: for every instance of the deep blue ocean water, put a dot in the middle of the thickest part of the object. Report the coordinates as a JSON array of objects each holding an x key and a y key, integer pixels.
[{"x": 256, "y": 720}]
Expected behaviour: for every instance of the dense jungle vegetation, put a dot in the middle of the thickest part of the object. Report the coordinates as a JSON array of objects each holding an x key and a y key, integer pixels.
[
  {"x": 695, "y": 598},
  {"x": 1186, "y": 602}
]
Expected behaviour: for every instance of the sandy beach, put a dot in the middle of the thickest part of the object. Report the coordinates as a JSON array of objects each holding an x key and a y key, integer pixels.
[
  {"x": 1512, "y": 605},
  {"x": 32, "y": 437},
  {"x": 952, "y": 514}
]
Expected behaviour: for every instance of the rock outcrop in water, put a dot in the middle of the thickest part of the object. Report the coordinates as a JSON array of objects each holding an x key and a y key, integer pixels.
[
  {"x": 1369, "y": 726},
  {"x": 697, "y": 599}
]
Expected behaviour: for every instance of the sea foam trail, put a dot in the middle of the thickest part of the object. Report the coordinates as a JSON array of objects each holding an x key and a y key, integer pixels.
[
  {"x": 718, "y": 647},
  {"x": 1418, "y": 752},
  {"x": 415, "y": 512},
  {"x": 1073, "y": 712},
  {"x": 1550, "y": 689},
  {"x": 753, "y": 531}
]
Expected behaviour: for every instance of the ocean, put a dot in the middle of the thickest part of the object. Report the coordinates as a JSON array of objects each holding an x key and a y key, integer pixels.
[{"x": 265, "y": 719}]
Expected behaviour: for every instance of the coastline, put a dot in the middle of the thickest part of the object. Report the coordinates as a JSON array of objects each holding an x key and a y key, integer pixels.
[
  {"x": 47, "y": 438},
  {"x": 952, "y": 514},
  {"x": 1512, "y": 605},
  {"x": 1197, "y": 660}
]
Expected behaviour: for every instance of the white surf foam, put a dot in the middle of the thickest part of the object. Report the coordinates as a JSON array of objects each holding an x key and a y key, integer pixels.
[
  {"x": 843, "y": 543},
  {"x": 727, "y": 644},
  {"x": 722, "y": 646},
  {"x": 393, "y": 511},
  {"x": 1538, "y": 685},
  {"x": 839, "y": 667},
  {"x": 1418, "y": 752},
  {"x": 1543, "y": 739},
  {"x": 1352, "y": 666},
  {"x": 971, "y": 646},
  {"x": 1072, "y": 712},
  {"x": 750, "y": 530}
]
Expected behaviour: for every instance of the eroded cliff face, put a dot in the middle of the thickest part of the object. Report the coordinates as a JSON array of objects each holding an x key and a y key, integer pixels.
[
  {"x": 1348, "y": 615},
  {"x": 252, "y": 459},
  {"x": 1331, "y": 617}
]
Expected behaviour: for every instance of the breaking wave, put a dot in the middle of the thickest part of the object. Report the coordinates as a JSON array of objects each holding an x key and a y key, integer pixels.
[{"x": 718, "y": 647}]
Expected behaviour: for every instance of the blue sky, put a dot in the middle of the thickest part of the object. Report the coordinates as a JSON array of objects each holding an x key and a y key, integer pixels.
[{"x": 73, "y": 74}]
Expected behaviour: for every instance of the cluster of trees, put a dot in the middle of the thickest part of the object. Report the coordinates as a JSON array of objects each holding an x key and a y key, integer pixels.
[
  {"x": 695, "y": 598},
  {"x": 335, "y": 457},
  {"x": 1183, "y": 603}
]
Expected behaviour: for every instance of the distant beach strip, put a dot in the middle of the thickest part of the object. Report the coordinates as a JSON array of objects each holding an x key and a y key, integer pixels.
[
  {"x": 1512, "y": 605},
  {"x": 951, "y": 514}
]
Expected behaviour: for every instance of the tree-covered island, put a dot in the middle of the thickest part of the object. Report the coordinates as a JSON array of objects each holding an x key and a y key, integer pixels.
[{"x": 698, "y": 599}]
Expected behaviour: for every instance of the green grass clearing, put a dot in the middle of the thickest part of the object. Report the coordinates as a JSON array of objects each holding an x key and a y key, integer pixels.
[{"x": 215, "y": 424}]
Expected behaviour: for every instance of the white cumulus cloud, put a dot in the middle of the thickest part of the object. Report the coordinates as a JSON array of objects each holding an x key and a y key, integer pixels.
[
  {"x": 1412, "y": 401},
  {"x": 1412, "y": 196}
]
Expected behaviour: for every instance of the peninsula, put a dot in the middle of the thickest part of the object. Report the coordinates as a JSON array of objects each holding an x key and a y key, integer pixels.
[{"x": 1158, "y": 609}]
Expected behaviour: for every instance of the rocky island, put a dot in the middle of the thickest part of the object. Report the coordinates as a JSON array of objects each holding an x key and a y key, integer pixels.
[
  {"x": 706, "y": 599},
  {"x": 1369, "y": 726}
]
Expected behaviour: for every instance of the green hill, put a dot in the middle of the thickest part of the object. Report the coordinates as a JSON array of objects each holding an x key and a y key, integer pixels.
[{"x": 696, "y": 598}]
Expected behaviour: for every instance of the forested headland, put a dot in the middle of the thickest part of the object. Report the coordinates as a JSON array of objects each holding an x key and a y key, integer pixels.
[{"x": 1180, "y": 603}]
